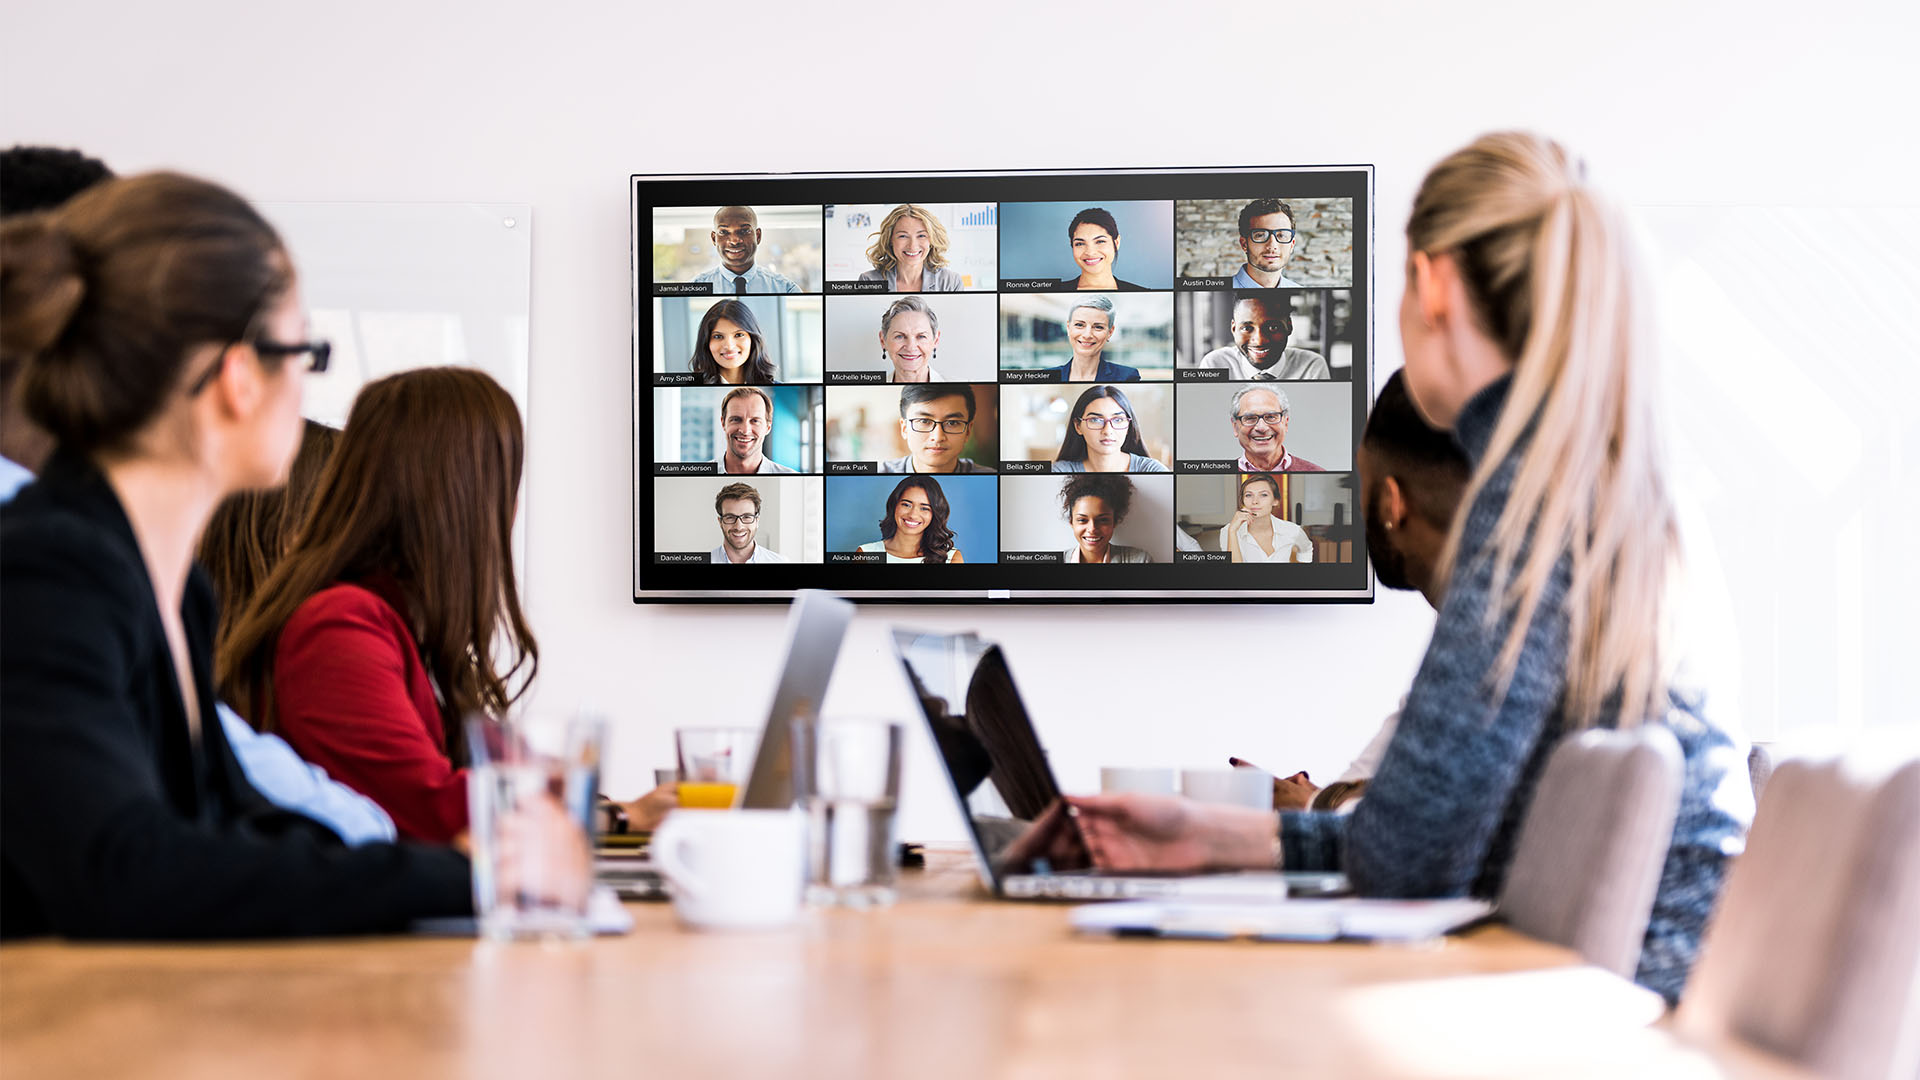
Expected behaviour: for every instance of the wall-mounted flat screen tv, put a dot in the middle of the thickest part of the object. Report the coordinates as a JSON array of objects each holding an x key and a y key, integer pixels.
[{"x": 975, "y": 386}]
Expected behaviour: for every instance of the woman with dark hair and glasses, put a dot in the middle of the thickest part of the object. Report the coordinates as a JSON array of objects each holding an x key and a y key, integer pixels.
[
  {"x": 1094, "y": 238},
  {"x": 159, "y": 326},
  {"x": 1103, "y": 435},
  {"x": 729, "y": 348},
  {"x": 1094, "y": 506},
  {"x": 915, "y": 528}
]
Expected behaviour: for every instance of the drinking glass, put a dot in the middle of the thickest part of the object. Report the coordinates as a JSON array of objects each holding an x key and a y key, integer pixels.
[
  {"x": 846, "y": 774},
  {"x": 714, "y": 764},
  {"x": 513, "y": 764}
]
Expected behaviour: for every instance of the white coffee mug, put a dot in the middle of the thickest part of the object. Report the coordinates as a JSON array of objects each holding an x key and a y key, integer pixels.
[
  {"x": 1115, "y": 779},
  {"x": 733, "y": 869},
  {"x": 1232, "y": 787}
]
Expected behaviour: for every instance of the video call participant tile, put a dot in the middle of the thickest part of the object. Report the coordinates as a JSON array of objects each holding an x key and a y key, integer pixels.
[
  {"x": 1109, "y": 246},
  {"x": 913, "y": 427},
  {"x": 746, "y": 521},
  {"x": 737, "y": 250},
  {"x": 1255, "y": 334},
  {"x": 1086, "y": 337},
  {"x": 743, "y": 430},
  {"x": 911, "y": 248},
  {"x": 758, "y": 340},
  {"x": 1100, "y": 427},
  {"x": 902, "y": 339},
  {"x": 1264, "y": 427},
  {"x": 1267, "y": 517},
  {"x": 1087, "y": 518},
  {"x": 912, "y": 520},
  {"x": 1265, "y": 242}
]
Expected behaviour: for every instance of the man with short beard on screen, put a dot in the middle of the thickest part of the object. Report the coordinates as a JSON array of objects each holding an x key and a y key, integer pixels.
[
  {"x": 736, "y": 236},
  {"x": 738, "y": 508}
]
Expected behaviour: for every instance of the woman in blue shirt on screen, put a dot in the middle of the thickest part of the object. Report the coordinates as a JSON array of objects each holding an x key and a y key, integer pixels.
[
  {"x": 1104, "y": 436},
  {"x": 1090, "y": 325},
  {"x": 909, "y": 253}
]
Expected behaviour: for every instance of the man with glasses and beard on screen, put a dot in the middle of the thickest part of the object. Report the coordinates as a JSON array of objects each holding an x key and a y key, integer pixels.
[
  {"x": 738, "y": 506},
  {"x": 1266, "y": 239}
]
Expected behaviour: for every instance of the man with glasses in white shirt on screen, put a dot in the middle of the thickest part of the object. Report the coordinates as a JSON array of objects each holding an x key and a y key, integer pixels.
[
  {"x": 736, "y": 236},
  {"x": 738, "y": 507},
  {"x": 935, "y": 421}
]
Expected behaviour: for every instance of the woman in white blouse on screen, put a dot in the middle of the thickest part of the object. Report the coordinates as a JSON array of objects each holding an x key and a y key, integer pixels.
[{"x": 1255, "y": 534}]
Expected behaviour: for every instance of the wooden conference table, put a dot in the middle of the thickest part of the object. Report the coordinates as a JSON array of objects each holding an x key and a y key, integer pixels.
[{"x": 945, "y": 984}]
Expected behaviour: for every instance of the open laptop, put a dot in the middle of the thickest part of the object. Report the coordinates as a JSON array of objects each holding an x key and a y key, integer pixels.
[
  {"x": 816, "y": 624},
  {"x": 999, "y": 774}
]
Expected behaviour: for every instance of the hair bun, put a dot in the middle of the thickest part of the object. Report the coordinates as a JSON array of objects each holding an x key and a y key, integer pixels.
[{"x": 41, "y": 285}]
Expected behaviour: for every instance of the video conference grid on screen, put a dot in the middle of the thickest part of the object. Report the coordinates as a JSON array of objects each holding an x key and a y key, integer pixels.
[{"x": 969, "y": 383}]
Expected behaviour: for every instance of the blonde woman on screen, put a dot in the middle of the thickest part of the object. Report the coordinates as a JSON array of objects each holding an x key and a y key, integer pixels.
[
  {"x": 1524, "y": 327},
  {"x": 909, "y": 253}
]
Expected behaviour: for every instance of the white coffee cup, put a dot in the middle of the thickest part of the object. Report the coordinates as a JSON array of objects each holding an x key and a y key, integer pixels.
[
  {"x": 733, "y": 869},
  {"x": 1231, "y": 787},
  {"x": 1116, "y": 779}
]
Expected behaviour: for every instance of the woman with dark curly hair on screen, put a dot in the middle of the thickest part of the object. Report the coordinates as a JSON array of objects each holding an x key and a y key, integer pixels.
[
  {"x": 1104, "y": 436},
  {"x": 915, "y": 528},
  {"x": 729, "y": 348},
  {"x": 1094, "y": 506}
]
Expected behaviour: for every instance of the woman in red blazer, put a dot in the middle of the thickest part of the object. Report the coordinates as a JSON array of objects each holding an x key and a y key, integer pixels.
[{"x": 375, "y": 635}]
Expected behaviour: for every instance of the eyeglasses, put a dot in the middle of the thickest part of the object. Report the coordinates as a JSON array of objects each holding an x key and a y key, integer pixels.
[
  {"x": 738, "y": 519},
  {"x": 1261, "y": 236},
  {"x": 1101, "y": 423},
  {"x": 925, "y": 424},
  {"x": 1250, "y": 419},
  {"x": 316, "y": 354}
]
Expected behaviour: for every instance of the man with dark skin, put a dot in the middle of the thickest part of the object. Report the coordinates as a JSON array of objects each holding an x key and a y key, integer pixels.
[
  {"x": 736, "y": 236},
  {"x": 1412, "y": 478}
]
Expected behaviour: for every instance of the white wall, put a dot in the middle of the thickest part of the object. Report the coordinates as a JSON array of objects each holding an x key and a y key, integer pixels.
[{"x": 1765, "y": 103}]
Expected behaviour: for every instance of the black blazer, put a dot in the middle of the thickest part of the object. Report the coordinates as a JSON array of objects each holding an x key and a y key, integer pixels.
[{"x": 114, "y": 822}]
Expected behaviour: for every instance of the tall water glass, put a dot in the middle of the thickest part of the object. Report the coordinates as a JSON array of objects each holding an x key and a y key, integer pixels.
[
  {"x": 514, "y": 764},
  {"x": 846, "y": 774}
]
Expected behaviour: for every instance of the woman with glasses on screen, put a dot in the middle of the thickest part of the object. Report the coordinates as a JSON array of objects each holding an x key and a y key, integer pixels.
[
  {"x": 909, "y": 253},
  {"x": 1526, "y": 335},
  {"x": 1103, "y": 435},
  {"x": 1090, "y": 325},
  {"x": 1257, "y": 533},
  {"x": 1094, "y": 506},
  {"x": 1093, "y": 236},
  {"x": 729, "y": 349},
  {"x": 915, "y": 528}
]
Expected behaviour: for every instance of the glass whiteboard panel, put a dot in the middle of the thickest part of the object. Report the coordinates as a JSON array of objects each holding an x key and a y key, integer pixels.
[{"x": 407, "y": 285}]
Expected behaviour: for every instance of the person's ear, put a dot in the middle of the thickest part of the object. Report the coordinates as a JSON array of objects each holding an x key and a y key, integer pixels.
[
  {"x": 1420, "y": 279},
  {"x": 237, "y": 387},
  {"x": 1393, "y": 503}
]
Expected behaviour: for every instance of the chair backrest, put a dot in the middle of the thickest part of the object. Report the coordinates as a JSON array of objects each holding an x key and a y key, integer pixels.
[
  {"x": 1759, "y": 769},
  {"x": 1814, "y": 951},
  {"x": 1590, "y": 852}
]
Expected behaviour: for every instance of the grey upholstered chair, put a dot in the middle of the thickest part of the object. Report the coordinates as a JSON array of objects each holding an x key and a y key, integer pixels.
[
  {"x": 1814, "y": 952},
  {"x": 1590, "y": 852}
]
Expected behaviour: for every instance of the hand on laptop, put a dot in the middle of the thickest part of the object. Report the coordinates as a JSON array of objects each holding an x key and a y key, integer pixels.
[
  {"x": 645, "y": 813},
  {"x": 1166, "y": 832}
]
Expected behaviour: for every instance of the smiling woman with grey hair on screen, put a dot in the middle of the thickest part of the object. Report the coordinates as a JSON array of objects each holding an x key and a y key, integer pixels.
[{"x": 910, "y": 340}]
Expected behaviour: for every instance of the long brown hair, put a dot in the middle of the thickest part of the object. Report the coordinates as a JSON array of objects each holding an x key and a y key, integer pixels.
[
  {"x": 421, "y": 492},
  {"x": 250, "y": 530},
  {"x": 1553, "y": 277}
]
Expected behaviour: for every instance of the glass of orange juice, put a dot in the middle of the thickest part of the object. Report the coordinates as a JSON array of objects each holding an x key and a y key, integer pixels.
[{"x": 714, "y": 764}]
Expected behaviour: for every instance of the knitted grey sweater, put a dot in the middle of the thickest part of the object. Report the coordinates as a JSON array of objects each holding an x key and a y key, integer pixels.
[{"x": 1441, "y": 816}]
